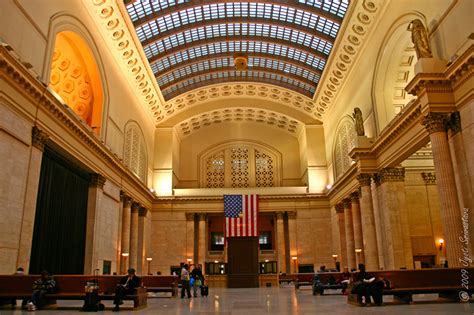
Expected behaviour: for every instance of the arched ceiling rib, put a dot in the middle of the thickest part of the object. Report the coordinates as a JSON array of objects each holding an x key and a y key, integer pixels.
[{"x": 173, "y": 33}]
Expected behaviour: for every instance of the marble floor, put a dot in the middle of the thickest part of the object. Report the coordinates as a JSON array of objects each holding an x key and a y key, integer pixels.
[{"x": 266, "y": 301}]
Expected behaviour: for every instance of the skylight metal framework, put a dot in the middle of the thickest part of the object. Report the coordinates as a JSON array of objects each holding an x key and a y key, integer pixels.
[{"x": 192, "y": 43}]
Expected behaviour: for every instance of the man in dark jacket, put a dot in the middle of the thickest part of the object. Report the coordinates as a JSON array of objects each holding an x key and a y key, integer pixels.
[
  {"x": 44, "y": 285},
  {"x": 196, "y": 274},
  {"x": 127, "y": 286}
]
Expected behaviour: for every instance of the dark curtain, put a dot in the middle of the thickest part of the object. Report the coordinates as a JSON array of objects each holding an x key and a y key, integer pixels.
[{"x": 61, "y": 213}]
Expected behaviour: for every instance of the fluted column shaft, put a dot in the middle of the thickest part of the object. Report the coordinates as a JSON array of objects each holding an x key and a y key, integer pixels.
[
  {"x": 281, "y": 242},
  {"x": 369, "y": 234},
  {"x": 349, "y": 229},
  {"x": 342, "y": 234},
  {"x": 141, "y": 241},
  {"x": 202, "y": 247},
  {"x": 134, "y": 236},
  {"x": 125, "y": 243},
  {"x": 450, "y": 209},
  {"x": 357, "y": 223},
  {"x": 190, "y": 236},
  {"x": 292, "y": 238}
]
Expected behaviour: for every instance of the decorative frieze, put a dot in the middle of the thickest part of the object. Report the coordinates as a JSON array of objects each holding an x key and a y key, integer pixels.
[
  {"x": 97, "y": 180},
  {"x": 364, "y": 179},
  {"x": 38, "y": 138},
  {"x": 392, "y": 174},
  {"x": 436, "y": 122},
  {"x": 429, "y": 178}
]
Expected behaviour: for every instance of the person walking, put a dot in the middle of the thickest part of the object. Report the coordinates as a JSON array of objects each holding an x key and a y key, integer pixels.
[{"x": 185, "y": 281}]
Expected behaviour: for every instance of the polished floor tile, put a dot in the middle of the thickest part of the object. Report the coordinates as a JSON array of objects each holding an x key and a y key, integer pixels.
[{"x": 267, "y": 301}]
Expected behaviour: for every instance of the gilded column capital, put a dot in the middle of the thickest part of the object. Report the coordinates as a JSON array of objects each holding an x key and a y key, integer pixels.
[
  {"x": 392, "y": 174},
  {"x": 455, "y": 122},
  {"x": 377, "y": 179},
  {"x": 355, "y": 196},
  {"x": 364, "y": 179},
  {"x": 339, "y": 208},
  {"x": 202, "y": 216},
  {"x": 291, "y": 214},
  {"x": 429, "y": 178},
  {"x": 436, "y": 122},
  {"x": 38, "y": 138},
  {"x": 142, "y": 211},
  {"x": 279, "y": 215},
  {"x": 97, "y": 180},
  {"x": 135, "y": 206},
  {"x": 190, "y": 216},
  {"x": 346, "y": 202}
]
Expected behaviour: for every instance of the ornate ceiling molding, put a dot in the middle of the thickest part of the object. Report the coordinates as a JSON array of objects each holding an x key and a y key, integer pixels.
[
  {"x": 237, "y": 114},
  {"x": 346, "y": 51},
  {"x": 109, "y": 15},
  {"x": 226, "y": 91}
]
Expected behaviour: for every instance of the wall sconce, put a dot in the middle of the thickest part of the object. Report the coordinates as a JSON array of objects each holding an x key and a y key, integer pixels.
[
  {"x": 358, "y": 250},
  {"x": 189, "y": 260},
  {"x": 149, "y": 259},
  {"x": 294, "y": 258},
  {"x": 441, "y": 243}
]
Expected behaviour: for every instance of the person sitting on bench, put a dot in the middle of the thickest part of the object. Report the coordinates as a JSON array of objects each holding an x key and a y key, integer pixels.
[
  {"x": 345, "y": 279},
  {"x": 127, "y": 286},
  {"x": 44, "y": 285}
]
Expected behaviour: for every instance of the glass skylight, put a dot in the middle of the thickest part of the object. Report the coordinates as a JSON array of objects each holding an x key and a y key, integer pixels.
[{"x": 192, "y": 43}]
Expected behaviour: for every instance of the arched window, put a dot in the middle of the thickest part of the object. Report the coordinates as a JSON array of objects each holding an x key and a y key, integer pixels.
[
  {"x": 240, "y": 165},
  {"x": 134, "y": 152},
  {"x": 345, "y": 141}
]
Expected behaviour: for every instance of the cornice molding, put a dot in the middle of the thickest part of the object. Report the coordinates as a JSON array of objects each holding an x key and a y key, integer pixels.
[{"x": 355, "y": 29}]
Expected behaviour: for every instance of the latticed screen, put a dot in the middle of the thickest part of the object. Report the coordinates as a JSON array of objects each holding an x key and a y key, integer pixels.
[
  {"x": 263, "y": 169},
  {"x": 215, "y": 171},
  {"x": 134, "y": 153},
  {"x": 240, "y": 167},
  {"x": 345, "y": 141}
]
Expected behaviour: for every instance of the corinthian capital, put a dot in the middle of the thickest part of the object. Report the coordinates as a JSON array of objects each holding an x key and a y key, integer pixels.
[
  {"x": 364, "y": 179},
  {"x": 38, "y": 138},
  {"x": 392, "y": 174},
  {"x": 436, "y": 122}
]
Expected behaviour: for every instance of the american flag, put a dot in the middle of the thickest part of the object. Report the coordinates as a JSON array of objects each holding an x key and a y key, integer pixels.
[{"x": 241, "y": 214}]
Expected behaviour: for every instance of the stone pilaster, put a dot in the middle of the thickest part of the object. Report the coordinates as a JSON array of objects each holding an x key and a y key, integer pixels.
[
  {"x": 190, "y": 239},
  {"x": 435, "y": 123},
  {"x": 398, "y": 241},
  {"x": 379, "y": 220},
  {"x": 369, "y": 235},
  {"x": 38, "y": 141},
  {"x": 280, "y": 231},
  {"x": 202, "y": 247},
  {"x": 141, "y": 261},
  {"x": 342, "y": 234},
  {"x": 349, "y": 229},
  {"x": 293, "y": 250},
  {"x": 94, "y": 203},
  {"x": 134, "y": 236},
  {"x": 357, "y": 224},
  {"x": 126, "y": 220}
]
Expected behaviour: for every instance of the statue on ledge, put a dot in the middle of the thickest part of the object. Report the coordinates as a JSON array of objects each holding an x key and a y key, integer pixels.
[
  {"x": 359, "y": 122},
  {"x": 419, "y": 37}
]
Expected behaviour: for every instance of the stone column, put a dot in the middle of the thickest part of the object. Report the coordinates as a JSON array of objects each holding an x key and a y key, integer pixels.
[
  {"x": 202, "y": 250},
  {"x": 38, "y": 141},
  {"x": 94, "y": 201},
  {"x": 342, "y": 235},
  {"x": 357, "y": 223},
  {"x": 369, "y": 235},
  {"x": 450, "y": 209},
  {"x": 280, "y": 231},
  {"x": 118, "y": 258},
  {"x": 126, "y": 219},
  {"x": 349, "y": 229},
  {"x": 141, "y": 270},
  {"x": 292, "y": 237},
  {"x": 133, "y": 261},
  {"x": 190, "y": 252},
  {"x": 379, "y": 221},
  {"x": 462, "y": 177},
  {"x": 398, "y": 242}
]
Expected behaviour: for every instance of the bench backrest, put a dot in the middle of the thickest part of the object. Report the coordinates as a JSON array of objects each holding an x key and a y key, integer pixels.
[
  {"x": 21, "y": 284},
  {"x": 324, "y": 277},
  {"x": 160, "y": 281},
  {"x": 439, "y": 277}
]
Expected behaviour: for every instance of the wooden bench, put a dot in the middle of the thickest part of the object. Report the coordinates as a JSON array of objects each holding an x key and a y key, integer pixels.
[
  {"x": 447, "y": 282},
  {"x": 161, "y": 284},
  {"x": 68, "y": 287},
  {"x": 306, "y": 279},
  {"x": 286, "y": 278}
]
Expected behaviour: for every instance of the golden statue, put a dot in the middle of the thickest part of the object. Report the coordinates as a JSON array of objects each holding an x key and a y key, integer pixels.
[{"x": 419, "y": 37}]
